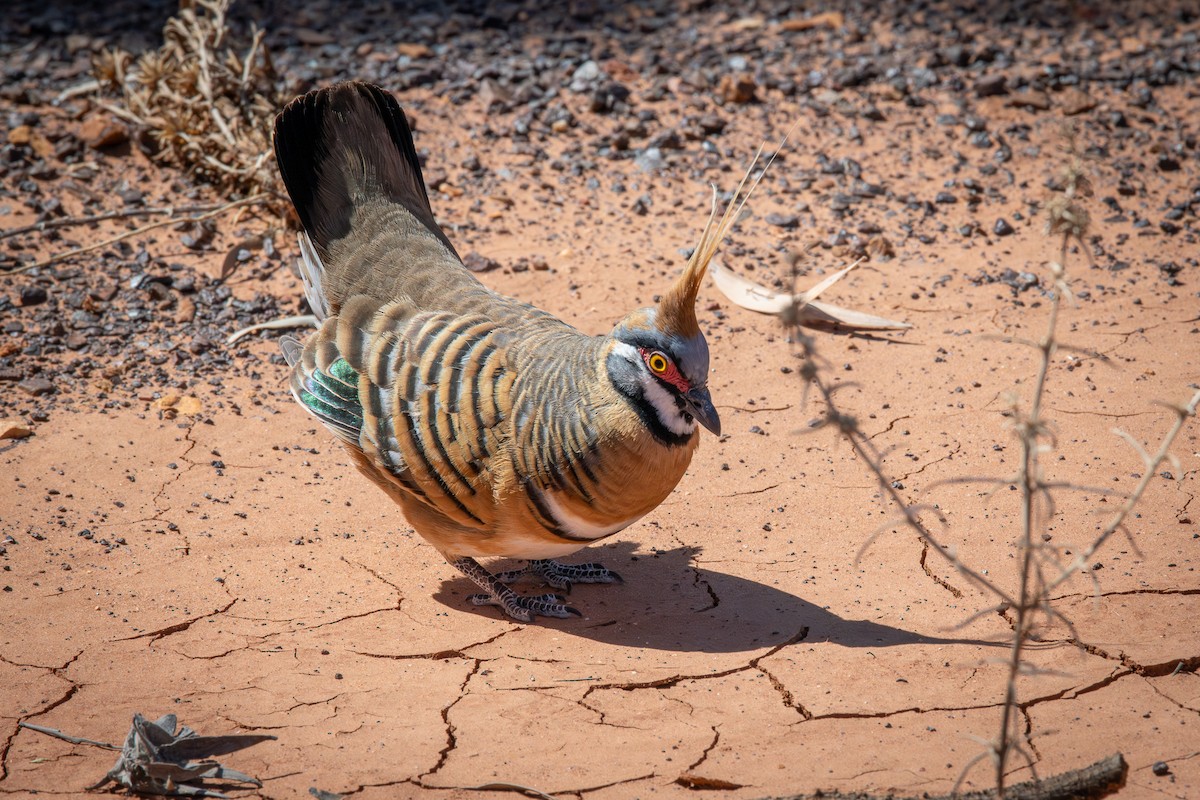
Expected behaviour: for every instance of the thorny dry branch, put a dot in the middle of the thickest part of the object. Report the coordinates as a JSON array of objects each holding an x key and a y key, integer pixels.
[{"x": 1068, "y": 220}]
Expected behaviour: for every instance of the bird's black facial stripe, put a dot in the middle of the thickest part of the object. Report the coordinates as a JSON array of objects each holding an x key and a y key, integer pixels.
[{"x": 627, "y": 377}]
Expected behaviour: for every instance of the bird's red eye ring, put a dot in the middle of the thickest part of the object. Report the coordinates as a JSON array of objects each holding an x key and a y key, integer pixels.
[{"x": 661, "y": 365}]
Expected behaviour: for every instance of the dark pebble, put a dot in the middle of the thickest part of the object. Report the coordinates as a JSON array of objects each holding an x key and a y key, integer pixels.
[
  {"x": 1168, "y": 164},
  {"x": 103, "y": 293},
  {"x": 788, "y": 221},
  {"x": 477, "y": 263},
  {"x": 608, "y": 97},
  {"x": 711, "y": 124},
  {"x": 991, "y": 86},
  {"x": 1002, "y": 228},
  {"x": 36, "y": 386},
  {"x": 1018, "y": 281},
  {"x": 667, "y": 140},
  {"x": 1169, "y": 272},
  {"x": 1161, "y": 768},
  {"x": 32, "y": 295}
]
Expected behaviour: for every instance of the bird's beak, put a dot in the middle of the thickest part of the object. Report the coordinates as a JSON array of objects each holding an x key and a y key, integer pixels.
[{"x": 699, "y": 405}]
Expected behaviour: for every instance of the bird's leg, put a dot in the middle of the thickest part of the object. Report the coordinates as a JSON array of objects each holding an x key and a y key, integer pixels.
[
  {"x": 497, "y": 593},
  {"x": 562, "y": 576}
]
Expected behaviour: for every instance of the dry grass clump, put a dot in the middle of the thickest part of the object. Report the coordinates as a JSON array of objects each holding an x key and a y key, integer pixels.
[{"x": 199, "y": 104}]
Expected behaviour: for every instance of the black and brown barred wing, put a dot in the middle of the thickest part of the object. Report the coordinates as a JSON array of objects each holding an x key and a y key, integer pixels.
[{"x": 423, "y": 395}]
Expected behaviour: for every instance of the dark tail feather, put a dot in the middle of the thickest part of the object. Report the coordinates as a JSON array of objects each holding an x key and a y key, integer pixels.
[{"x": 346, "y": 141}]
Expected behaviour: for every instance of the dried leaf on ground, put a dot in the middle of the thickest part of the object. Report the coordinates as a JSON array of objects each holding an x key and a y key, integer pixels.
[{"x": 804, "y": 306}]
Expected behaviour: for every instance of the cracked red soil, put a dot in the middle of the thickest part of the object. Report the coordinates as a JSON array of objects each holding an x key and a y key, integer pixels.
[{"x": 287, "y": 594}]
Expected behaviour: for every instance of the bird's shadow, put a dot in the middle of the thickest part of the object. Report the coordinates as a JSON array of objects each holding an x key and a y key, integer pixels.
[{"x": 669, "y": 603}]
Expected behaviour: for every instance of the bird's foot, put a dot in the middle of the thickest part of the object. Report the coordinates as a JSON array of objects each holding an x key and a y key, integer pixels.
[
  {"x": 497, "y": 593},
  {"x": 524, "y": 609},
  {"x": 562, "y": 576}
]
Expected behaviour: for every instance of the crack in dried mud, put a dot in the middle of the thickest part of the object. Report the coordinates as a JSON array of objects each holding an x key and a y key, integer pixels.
[
  {"x": 1037, "y": 757},
  {"x": 957, "y": 449},
  {"x": 785, "y": 693},
  {"x": 451, "y": 736},
  {"x": 178, "y": 627},
  {"x": 1126, "y": 593},
  {"x": 46, "y": 667},
  {"x": 1023, "y": 706},
  {"x": 1177, "y": 703},
  {"x": 697, "y": 581},
  {"x": 704, "y": 755},
  {"x": 751, "y": 491},
  {"x": 889, "y": 427},
  {"x": 72, "y": 689},
  {"x": 608, "y": 785},
  {"x": 162, "y": 490},
  {"x": 288, "y": 710},
  {"x": 1162, "y": 669},
  {"x": 441, "y": 655},
  {"x": 675, "y": 680},
  {"x": 940, "y": 581}
]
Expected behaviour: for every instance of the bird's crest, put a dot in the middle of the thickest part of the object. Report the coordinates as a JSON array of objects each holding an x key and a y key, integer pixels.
[{"x": 677, "y": 308}]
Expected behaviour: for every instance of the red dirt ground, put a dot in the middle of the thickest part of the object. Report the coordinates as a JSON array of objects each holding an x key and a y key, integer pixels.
[{"x": 253, "y": 581}]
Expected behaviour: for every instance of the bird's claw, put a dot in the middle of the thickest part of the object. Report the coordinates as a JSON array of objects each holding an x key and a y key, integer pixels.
[
  {"x": 562, "y": 576},
  {"x": 524, "y": 609}
]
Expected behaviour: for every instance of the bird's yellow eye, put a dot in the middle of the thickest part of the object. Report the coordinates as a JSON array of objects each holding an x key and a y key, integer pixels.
[{"x": 658, "y": 363}]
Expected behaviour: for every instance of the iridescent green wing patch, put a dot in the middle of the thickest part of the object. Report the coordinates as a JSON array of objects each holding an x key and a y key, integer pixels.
[{"x": 332, "y": 397}]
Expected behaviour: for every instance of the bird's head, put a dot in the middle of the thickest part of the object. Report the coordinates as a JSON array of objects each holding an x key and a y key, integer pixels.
[
  {"x": 663, "y": 369},
  {"x": 659, "y": 358}
]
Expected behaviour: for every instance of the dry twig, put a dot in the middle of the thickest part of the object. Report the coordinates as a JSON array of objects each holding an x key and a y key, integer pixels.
[
  {"x": 221, "y": 209},
  {"x": 122, "y": 213}
]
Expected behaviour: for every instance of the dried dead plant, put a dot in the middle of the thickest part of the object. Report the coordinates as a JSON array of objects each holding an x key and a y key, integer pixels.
[
  {"x": 202, "y": 105},
  {"x": 162, "y": 757},
  {"x": 1041, "y": 570}
]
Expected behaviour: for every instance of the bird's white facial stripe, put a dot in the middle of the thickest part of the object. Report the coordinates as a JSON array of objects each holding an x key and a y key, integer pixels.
[
  {"x": 669, "y": 413},
  {"x": 578, "y": 526}
]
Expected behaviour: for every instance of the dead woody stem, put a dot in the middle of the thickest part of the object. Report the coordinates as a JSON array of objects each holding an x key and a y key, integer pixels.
[{"x": 1040, "y": 571}]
